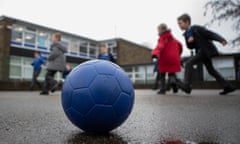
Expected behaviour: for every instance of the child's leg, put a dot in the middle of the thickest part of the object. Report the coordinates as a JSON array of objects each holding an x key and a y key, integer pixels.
[{"x": 163, "y": 83}]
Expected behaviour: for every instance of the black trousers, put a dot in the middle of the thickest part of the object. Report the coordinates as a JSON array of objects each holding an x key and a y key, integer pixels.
[
  {"x": 172, "y": 81},
  {"x": 34, "y": 80},
  {"x": 49, "y": 80},
  {"x": 199, "y": 58}
]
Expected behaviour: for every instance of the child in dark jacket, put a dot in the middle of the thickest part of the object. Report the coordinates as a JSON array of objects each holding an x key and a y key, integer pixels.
[
  {"x": 104, "y": 54},
  {"x": 201, "y": 40}
]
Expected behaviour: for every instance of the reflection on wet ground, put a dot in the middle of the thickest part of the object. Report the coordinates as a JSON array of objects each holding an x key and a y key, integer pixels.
[
  {"x": 113, "y": 138},
  {"x": 91, "y": 138},
  {"x": 202, "y": 118}
]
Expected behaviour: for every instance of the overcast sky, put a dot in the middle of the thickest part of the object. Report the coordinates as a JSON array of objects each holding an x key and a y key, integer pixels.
[{"x": 135, "y": 20}]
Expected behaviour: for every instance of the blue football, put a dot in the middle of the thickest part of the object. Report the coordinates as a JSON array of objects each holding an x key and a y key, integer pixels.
[{"x": 97, "y": 96}]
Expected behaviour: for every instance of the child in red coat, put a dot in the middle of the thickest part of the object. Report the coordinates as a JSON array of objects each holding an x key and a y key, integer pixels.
[{"x": 168, "y": 52}]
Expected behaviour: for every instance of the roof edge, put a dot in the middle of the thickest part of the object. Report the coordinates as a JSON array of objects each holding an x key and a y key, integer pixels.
[
  {"x": 44, "y": 27},
  {"x": 128, "y": 41}
]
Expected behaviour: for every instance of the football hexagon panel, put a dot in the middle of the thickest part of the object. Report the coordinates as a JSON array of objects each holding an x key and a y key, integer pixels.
[
  {"x": 82, "y": 100},
  {"x": 133, "y": 100},
  {"x": 105, "y": 67},
  {"x": 76, "y": 118},
  {"x": 124, "y": 81},
  {"x": 82, "y": 76},
  {"x": 66, "y": 95},
  {"x": 105, "y": 89},
  {"x": 123, "y": 104},
  {"x": 102, "y": 118}
]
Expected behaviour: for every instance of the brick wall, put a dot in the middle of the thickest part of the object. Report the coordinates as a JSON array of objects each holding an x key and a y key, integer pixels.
[
  {"x": 5, "y": 37},
  {"x": 132, "y": 54}
]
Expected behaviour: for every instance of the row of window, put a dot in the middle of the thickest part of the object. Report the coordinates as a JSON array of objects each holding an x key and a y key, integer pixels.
[
  {"x": 39, "y": 39},
  {"x": 141, "y": 74},
  {"x": 144, "y": 74},
  {"x": 223, "y": 65},
  {"x": 21, "y": 69},
  {"x": 30, "y": 37}
]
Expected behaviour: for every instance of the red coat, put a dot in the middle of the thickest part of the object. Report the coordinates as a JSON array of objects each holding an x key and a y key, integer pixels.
[{"x": 168, "y": 51}]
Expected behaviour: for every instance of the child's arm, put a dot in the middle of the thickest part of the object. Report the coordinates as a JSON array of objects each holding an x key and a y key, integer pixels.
[
  {"x": 211, "y": 35},
  {"x": 156, "y": 52}
]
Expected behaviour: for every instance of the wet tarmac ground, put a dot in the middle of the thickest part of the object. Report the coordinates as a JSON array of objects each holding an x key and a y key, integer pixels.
[{"x": 204, "y": 117}]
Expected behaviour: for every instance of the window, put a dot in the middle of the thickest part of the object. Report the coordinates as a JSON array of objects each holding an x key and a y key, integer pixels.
[
  {"x": 15, "y": 72},
  {"x": 128, "y": 69},
  {"x": 225, "y": 66},
  {"x": 93, "y": 50},
  {"x": 140, "y": 74},
  {"x": 27, "y": 72},
  {"x": 21, "y": 68},
  {"x": 149, "y": 74},
  {"x": 112, "y": 48},
  {"x": 180, "y": 75},
  {"x": 27, "y": 61},
  {"x": 15, "y": 60},
  {"x": 30, "y": 37},
  {"x": 83, "y": 48},
  {"x": 74, "y": 47},
  {"x": 15, "y": 67},
  {"x": 17, "y": 35},
  {"x": 65, "y": 41},
  {"x": 43, "y": 40}
]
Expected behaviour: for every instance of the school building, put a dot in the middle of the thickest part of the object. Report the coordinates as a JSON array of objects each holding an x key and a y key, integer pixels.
[{"x": 20, "y": 39}]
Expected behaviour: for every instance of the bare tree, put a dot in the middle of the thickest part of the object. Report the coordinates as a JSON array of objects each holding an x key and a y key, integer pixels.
[{"x": 225, "y": 10}]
